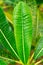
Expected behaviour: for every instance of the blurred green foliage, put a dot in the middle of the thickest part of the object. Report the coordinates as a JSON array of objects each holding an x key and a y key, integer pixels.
[
  {"x": 39, "y": 1},
  {"x": 9, "y": 9}
]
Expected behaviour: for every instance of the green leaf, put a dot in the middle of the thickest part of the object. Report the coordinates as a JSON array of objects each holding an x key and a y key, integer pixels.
[
  {"x": 6, "y": 35},
  {"x": 39, "y": 49},
  {"x": 2, "y": 62},
  {"x": 23, "y": 30}
]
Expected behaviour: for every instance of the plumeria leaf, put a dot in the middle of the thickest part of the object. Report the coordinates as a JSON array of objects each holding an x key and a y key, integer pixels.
[
  {"x": 6, "y": 35},
  {"x": 23, "y": 30}
]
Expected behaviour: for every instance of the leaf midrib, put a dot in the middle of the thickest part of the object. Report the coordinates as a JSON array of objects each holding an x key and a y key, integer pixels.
[{"x": 23, "y": 34}]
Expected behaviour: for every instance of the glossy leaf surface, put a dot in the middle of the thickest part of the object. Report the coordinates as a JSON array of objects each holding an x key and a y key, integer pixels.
[
  {"x": 23, "y": 30},
  {"x": 6, "y": 35}
]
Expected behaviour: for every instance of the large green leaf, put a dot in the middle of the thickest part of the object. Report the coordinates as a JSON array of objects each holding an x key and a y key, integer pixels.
[
  {"x": 2, "y": 62},
  {"x": 6, "y": 35},
  {"x": 23, "y": 30},
  {"x": 39, "y": 49}
]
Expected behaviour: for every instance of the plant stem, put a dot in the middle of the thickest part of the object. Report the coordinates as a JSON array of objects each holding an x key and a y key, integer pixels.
[
  {"x": 39, "y": 62},
  {"x": 31, "y": 57}
]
